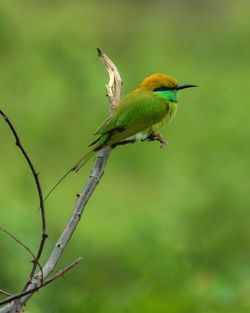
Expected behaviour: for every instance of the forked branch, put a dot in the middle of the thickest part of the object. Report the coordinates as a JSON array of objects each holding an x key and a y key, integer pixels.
[
  {"x": 44, "y": 283},
  {"x": 40, "y": 195},
  {"x": 114, "y": 94},
  {"x": 21, "y": 244}
]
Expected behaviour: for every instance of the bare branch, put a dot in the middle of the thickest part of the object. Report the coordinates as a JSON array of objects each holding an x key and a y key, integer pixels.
[
  {"x": 114, "y": 87},
  {"x": 114, "y": 93},
  {"x": 45, "y": 283},
  {"x": 40, "y": 194},
  {"x": 5, "y": 292},
  {"x": 22, "y": 244}
]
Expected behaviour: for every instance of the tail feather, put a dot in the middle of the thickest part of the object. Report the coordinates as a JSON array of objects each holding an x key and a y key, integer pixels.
[
  {"x": 84, "y": 159},
  {"x": 75, "y": 168},
  {"x": 97, "y": 145}
]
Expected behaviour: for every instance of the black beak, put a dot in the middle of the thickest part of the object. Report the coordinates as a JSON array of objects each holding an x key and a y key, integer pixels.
[{"x": 185, "y": 86}]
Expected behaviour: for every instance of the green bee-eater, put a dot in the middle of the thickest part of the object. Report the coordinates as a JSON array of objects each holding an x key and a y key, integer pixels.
[{"x": 139, "y": 115}]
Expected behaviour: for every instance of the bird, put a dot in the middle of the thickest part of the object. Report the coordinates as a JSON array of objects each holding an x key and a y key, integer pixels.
[{"x": 139, "y": 116}]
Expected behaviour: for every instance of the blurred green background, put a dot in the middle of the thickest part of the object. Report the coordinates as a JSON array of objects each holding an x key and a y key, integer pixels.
[{"x": 166, "y": 230}]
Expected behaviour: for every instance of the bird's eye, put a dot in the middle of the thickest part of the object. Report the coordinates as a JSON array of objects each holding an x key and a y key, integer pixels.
[{"x": 163, "y": 88}]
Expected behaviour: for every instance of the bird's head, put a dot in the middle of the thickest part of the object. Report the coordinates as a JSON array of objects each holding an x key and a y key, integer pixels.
[{"x": 163, "y": 86}]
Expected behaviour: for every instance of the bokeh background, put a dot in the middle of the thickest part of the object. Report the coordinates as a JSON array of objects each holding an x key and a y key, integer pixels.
[{"x": 166, "y": 230}]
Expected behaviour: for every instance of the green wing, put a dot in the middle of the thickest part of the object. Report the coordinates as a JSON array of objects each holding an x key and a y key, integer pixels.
[{"x": 137, "y": 111}]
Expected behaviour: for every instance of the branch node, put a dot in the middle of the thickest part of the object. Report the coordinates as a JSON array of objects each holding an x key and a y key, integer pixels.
[
  {"x": 78, "y": 214},
  {"x": 59, "y": 245},
  {"x": 95, "y": 177}
]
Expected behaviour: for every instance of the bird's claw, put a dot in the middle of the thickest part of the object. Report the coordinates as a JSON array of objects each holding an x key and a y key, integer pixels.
[
  {"x": 163, "y": 141},
  {"x": 158, "y": 137}
]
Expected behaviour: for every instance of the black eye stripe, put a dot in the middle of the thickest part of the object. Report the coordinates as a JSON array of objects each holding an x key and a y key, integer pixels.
[{"x": 164, "y": 88}]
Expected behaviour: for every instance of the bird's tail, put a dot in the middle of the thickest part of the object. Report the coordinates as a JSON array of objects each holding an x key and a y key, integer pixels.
[
  {"x": 95, "y": 146},
  {"x": 75, "y": 168},
  {"x": 84, "y": 159}
]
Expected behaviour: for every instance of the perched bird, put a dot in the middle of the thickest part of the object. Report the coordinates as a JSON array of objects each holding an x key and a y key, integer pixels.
[{"x": 139, "y": 115}]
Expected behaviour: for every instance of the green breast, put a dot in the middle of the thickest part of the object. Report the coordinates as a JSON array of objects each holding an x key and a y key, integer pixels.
[{"x": 172, "y": 110}]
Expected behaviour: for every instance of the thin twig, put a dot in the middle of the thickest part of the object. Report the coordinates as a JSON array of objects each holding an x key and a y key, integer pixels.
[
  {"x": 114, "y": 93},
  {"x": 46, "y": 282},
  {"x": 40, "y": 194},
  {"x": 5, "y": 293},
  {"x": 23, "y": 245}
]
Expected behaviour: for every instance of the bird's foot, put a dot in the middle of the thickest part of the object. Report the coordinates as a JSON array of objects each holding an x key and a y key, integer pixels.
[
  {"x": 157, "y": 137},
  {"x": 162, "y": 140}
]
